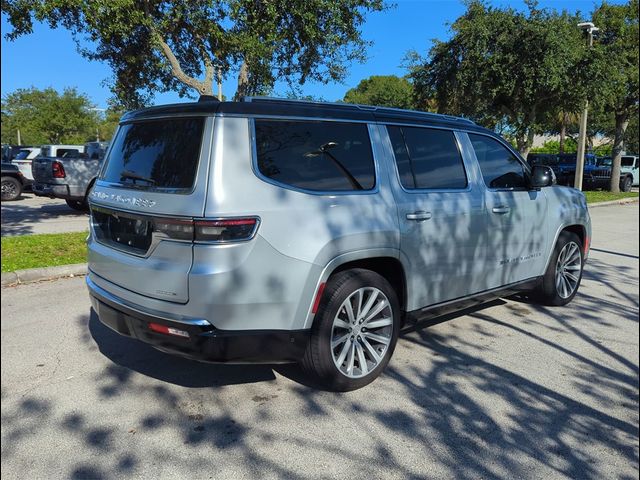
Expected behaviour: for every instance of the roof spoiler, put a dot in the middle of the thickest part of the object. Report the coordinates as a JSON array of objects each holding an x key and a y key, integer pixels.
[{"x": 208, "y": 98}]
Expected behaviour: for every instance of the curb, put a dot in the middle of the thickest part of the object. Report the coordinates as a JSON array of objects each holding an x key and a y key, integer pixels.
[
  {"x": 38, "y": 274},
  {"x": 622, "y": 201}
]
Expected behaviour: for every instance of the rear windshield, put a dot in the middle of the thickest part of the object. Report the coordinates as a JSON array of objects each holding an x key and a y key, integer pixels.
[{"x": 158, "y": 154}]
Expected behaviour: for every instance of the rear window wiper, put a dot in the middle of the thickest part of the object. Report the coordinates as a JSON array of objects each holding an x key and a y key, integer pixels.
[{"x": 128, "y": 174}]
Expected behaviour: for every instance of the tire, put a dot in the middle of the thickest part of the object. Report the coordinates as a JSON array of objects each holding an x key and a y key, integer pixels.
[
  {"x": 79, "y": 205},
  {"x": 364, "y": 352},
  {"x": 626, "y": 184},
  {"x": 11, "y": 188},
  {"x": 562, "y": 279}
]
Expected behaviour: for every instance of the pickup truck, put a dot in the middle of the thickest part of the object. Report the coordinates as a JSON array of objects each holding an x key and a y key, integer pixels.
[{"x": 69, "y": 177}]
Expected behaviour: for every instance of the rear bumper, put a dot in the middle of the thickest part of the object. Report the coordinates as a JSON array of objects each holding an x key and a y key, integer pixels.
[
  {"x": 204, "y": 342},
  {"x": 53, "y": 190}
]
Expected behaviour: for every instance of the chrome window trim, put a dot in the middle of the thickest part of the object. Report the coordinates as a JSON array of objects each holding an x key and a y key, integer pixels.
[
  {"x": 322, "y": 193},
  {"x": 430, "y": 190}
]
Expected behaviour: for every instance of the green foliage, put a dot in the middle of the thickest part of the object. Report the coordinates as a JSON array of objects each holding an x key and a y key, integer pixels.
[
  {"x": 48, "y": 250},
  {"x": 504, "y": 65},
  {"x": 603, "y": 150},
  {"x": 553, "y": 146},
  {"x": 382, "y": 90},
  {"x": 157, "y": 46},
  {"x": 46, "y": 116}
]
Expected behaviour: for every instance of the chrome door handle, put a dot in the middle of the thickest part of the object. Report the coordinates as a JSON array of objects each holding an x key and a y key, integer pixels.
[
  {"x": 501, "y": 209},
  {"x": 419, "y": 216}
]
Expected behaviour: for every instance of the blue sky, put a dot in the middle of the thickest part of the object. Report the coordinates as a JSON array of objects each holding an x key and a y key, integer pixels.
[{"x": 49, "y": 57}]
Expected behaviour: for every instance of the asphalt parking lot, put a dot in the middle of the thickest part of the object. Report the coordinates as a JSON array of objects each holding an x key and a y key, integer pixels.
[
  {"x": 508, "y": 390},
  {"x": 30, "y": 214}
]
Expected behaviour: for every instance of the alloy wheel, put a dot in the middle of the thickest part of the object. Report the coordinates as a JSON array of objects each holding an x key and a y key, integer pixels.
[
  {"x": 568, "y": 269},
  {"x": 361, "y": 332}
]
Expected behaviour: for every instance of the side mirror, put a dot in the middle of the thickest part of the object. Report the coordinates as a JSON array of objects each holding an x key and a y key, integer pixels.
[{"x": 541, "y": 176}]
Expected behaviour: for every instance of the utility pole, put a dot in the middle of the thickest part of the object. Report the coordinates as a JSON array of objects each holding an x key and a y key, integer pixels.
[
  {"x": 219, "y": 70},
  {"x": 590, "y": 28},
  {"x": 19, "y": 138}
]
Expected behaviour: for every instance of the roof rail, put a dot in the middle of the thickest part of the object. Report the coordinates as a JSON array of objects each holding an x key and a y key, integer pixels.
[{"x": 370, "y": 108}]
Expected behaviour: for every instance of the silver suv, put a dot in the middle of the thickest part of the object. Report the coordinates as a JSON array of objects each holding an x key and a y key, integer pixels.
[{"x": 281, "y": 231}]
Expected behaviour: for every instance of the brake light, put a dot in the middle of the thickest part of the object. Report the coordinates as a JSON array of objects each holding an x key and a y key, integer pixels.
[
  {"x": 174, "y": 228},
  {"x": 225, "y": 230},
  {"x": 221, "y": 230},
  {"x": 58, "y": 170}
]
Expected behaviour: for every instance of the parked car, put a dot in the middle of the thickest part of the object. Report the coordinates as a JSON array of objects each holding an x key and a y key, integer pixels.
[
  {"x": 24, "y": 158},
  {"x": 13, "y": 182},
  {"x": 600, "y": 176},
  {"x": 629, "y": 165},
  {"x": 271, "y": 231},
  {"x": 69, "y": 176}
]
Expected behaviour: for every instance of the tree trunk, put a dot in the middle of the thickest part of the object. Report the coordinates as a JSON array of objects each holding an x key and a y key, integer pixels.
[
  {"x": 243, "y": 82},
  {"x": 524, "y": 143},
  {"x": 563, "y": 131},
  {"x": 622, "y": 121}
]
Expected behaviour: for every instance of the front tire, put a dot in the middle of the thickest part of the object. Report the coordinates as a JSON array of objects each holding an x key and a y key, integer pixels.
[
  {"x": 11, "y": 188},
  {"x": 355, "y": 330},
  {"x": 626, "y": 184},
  {"x": 564, "y": 273}
]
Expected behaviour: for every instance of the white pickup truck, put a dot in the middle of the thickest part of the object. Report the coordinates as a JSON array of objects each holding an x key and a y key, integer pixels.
[{"x": 68, "y": 174}]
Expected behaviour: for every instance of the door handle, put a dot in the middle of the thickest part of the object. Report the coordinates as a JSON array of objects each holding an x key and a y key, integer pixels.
[
  {"x": 419, "y": 216},
  {"x": 502, "y": 209}
]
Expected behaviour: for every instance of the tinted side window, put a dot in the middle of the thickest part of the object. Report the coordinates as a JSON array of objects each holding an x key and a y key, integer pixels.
[
  {"x": 322, "y": 156},
  {"x": 500, "y": 168},
  {"x": 427, "y": 158}
]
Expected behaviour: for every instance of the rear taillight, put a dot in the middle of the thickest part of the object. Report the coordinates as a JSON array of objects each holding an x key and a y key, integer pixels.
[
  {"x": 174, "y": 228},
  {"x": 225, "y": 230},
  {"x": 219, "y": 230},
  {"x": 58, "y": 170}
]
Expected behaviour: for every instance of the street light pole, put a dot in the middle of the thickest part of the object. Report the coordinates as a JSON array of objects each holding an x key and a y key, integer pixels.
[{"x": 590, "y": 28}]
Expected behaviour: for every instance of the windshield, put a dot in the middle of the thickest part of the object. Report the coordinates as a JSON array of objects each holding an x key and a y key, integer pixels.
[
  {"x": 157, "y": 154},
  {"x": 604, "y": 162}
]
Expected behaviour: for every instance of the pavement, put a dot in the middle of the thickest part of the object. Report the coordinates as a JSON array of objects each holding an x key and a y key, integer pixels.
[
  {"x": 506, "y": 390},
  {"x": 31, "y": 214}
]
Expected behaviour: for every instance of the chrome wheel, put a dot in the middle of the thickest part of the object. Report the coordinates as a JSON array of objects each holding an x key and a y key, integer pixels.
[
  {"x": 568, "y": 270},
  {"x": 361, "y": 332}
]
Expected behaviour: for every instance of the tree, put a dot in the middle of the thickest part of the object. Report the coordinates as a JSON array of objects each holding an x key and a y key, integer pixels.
[
  {"x": 45, "y": 116},
  {"x": 158, "y": 46},
  {"x": 616, "y": 54},
  {"x": 505, "y": 66},
  {"x": 382, "y": 90}
]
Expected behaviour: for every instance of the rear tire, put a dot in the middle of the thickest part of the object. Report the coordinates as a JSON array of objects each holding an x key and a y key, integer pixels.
[
  {"x": 11, "y": 188},
  {"x": 79, "y": 205},
  {"x": 626, "y": 184},
  {"x": 355, "y": 331},
  {"x": 564, "y": 273}
]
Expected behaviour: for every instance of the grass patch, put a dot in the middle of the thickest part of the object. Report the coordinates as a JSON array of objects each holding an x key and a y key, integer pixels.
[
  {"x": 48, "y": 250},
  {"x": 603, "y": 196}
]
